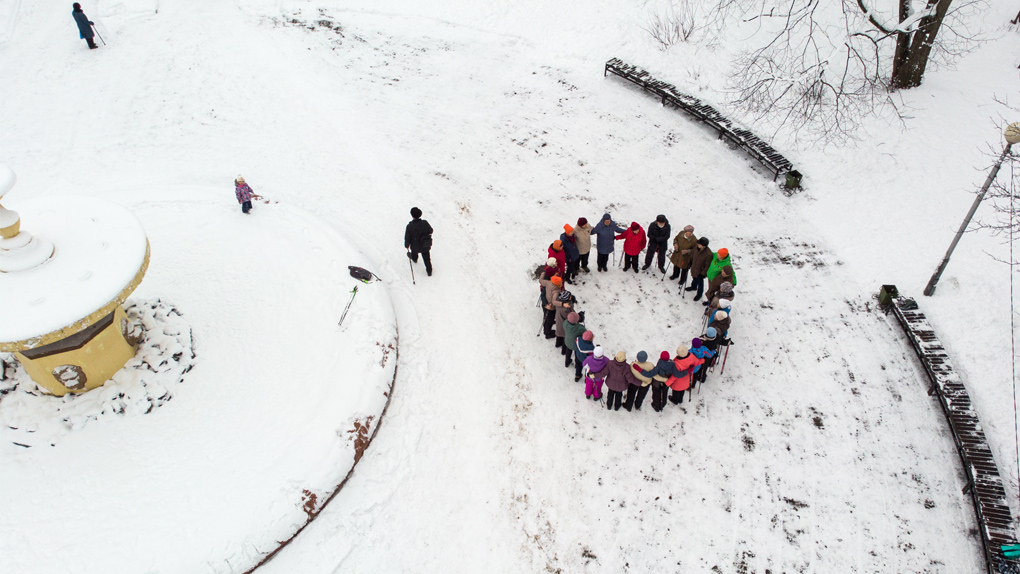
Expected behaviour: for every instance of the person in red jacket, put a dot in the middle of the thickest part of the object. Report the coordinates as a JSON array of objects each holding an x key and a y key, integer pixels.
[
  {"x": 556, "y": 252},
  {"x": 634, "y": 241}
]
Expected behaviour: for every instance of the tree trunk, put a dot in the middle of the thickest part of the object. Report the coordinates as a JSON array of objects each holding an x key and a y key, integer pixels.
[{"x": 910, "y": 61}]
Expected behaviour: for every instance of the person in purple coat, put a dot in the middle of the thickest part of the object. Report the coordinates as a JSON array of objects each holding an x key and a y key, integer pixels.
[
  {"x": 243, "y": 193},
  {"x": 595, "y": 365},
  {"x": 619, "y": 377}
]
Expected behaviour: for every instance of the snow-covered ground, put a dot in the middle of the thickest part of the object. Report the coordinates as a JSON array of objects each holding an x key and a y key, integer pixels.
[{"x": 817, "y": 450}]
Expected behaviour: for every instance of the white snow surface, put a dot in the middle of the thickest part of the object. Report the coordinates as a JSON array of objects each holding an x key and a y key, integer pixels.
[
  {"x": 98, "y": 248},
  {"x": 817, "y": 450}
]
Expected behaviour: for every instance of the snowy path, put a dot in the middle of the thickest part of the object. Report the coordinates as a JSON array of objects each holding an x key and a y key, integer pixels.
[{"x": 817, "y": 451}]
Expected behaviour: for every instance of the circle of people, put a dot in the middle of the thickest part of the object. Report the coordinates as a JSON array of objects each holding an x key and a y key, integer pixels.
[{"x": 671, "y": 376}]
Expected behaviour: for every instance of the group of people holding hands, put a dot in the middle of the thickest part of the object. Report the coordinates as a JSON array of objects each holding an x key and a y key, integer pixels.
[{"x": 671, "y": 376}]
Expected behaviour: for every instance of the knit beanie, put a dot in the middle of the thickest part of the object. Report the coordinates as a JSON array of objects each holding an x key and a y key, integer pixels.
[
  {"x": 726, "y": 287},
  {"x": 634, "y": 226},
  {"x": 564, "y": 296},
  {"x": 588, "y": 336},
  {"x": 723, "y": 253},
  {"x": 710, "y": 333},
  {"x": 642, "y": 356},
  {"x": 621, "y": 357},
  {"x": 695, "y": 343},
  {"x": 551, "y": 262},
  {"x": 239, "y": 180},
  {"x": 681, "y": 351},
  {"x": 720, "y": 315},
  {"x": 598, "y": 351},
  {"x": 664, "y": 355},
  {"x": 573, "y": 318},
  {"x": 581, "y": 222},
  {"x": 703, "y": 241},
  {"x": 557, "y": 280},
  {"x": 724, "y": 303},
  {"x": 415, "y": 212},
  {"x": 568, "y": 229},
  {"x": 690, "y": 228},
  {"x": 557, "y": 245}
]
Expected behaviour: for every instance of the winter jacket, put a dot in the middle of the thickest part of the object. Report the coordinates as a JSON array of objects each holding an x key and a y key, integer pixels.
[
  {"x": 571, "y": 331},
  {"x": 570, "y": 247},
  {"x": 717, "y": 266},
  {"x": 683, "y": 251},
  {"x": 583, "y": 236},
  {"x": 683, "y": 369},
  {"x": 633, "y": 241},
  {"x": 720, "y": 326},
  {"x": 597, "y": 366},
  {"x": 664, "y": 369},
  {"x": 561, "y": 319},
  {"x": 658, "y": 235},
  {"x": 606, "y": 234},
  {"x": 418, "y": 235},
  {"x": 243, "y": 192},
  {"x": 560, "y": 257},
  {"x": 84, "y": 25},
  {"x": 637, "y": 369},
  {"x": 620, "y": 375},
  {"x": 725, "y": 274},
  {"x": 703, "y": 353},
  {"x": 551, "y": 291},
  {"x": 701, "y": 258},
  {"x": 584, "y": 347},
  {"x": 710, "y": 344}
]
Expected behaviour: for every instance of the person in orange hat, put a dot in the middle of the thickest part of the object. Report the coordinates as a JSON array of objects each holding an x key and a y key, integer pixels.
[
  {"x": 556, "y": 252},
  {"x": 573, "y": 256}
]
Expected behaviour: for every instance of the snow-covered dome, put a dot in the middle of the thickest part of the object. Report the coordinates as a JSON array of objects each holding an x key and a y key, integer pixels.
[{"x": 84, "y": 257}]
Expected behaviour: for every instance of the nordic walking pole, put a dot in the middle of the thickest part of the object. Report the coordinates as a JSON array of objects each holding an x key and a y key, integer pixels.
[
  {"x": 671, "y": 261},
  {"x": 411, "y": 265},
  {"x": 348, "y": 307},
  {"x": 97, "y": 34},
  {"x": 726, "y": 354}
]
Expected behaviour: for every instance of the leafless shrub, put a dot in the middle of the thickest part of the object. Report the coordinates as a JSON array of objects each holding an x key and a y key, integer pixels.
[{"x": 676, "y": 24}]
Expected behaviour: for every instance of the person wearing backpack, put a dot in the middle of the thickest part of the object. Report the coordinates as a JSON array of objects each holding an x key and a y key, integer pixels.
[{"x": 683, "y": 370}]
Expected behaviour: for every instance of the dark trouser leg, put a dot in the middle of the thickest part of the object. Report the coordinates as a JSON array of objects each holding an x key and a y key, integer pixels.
[
  {"x": 631, "y": 261},
  {"x": 699, "y": 284},
  {"x": 92, "y": 46},
  {"x": 602, "y": 262},
  {"x": 578, "y": 365},
  {"x": 683, "y": 276},
  {"x": 659, "y": 391},
  {"x": 584, "y": 261},
  {"x": 547, "y": 324},
  {"x": 675, "y": 273},
  {"x": 614, "y": 398},
  {"x": 676, "y": 397},
  {"x": 649, "y": 254},
  {"x": 567, "y": 355},
  {"x": 661, "y": 250},
  {"x": 246, "y": 206},
  {"x": 642, "y": 392},
  {"x": 414, "y": 254},
  {"x": 427, "y": 260},
  {"x": 572, "y": 267},
  {"x": 628, "y": 403}
]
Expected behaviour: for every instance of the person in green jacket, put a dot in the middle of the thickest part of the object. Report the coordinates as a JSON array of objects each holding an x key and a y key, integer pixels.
[
  {"x": 719, "y": 272},
  {"x": 572, "y": 329}
]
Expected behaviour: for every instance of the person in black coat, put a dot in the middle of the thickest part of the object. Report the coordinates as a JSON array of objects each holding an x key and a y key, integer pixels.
[
  {"x": 658, "y": 239},
  {"x": 84, "y": 25},
  {"x": 418, "y": 239}
]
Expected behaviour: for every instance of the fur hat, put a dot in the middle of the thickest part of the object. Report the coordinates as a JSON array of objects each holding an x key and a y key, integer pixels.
[
  {"x": 568, "y": 229},
  {"x": 660, "y": 218},
  {"x": 642, "y": 356},
  {"x": 551, "y": 262},
  {"x": 724, "y": 303},
  {"x": 681, "y": 351},
  {"x": 723, "y": 253},
  {"x": 664, "y": 355},
  {"x": 690, "y": 229},
  {"x": 726, "y": 287},
  {"x": 695, "y": 343},
  {"x": 239, "y": 179},
  {"x": 573, "y": 318},
  {"x": 598, "y": 351},
  {"x": 588, "y": 336},
  {"x": 703, "y": 241},
  {"x": 581, "y": 221},
  {"x": 711, "y": 333},
  {"x": 557, "y": 280},
  {"x": 621, "y": 356},
  {"x": 720, "y": 315},
  {"x": 415, "y": 212},
  {"x": 564, "y": 296},
  {"x": 557, "y": 245}
]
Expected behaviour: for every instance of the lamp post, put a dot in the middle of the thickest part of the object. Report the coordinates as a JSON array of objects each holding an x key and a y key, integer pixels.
[{"x": 1012, "y": 135}]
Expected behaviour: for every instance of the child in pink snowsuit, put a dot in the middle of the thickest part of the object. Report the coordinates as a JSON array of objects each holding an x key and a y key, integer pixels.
[{"x": 596, "y": 366}]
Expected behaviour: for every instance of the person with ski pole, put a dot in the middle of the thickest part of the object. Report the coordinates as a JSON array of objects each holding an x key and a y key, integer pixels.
[
  {"x": 605, "y": 235},
  {"x": 84, "y": 26},
  {"x": 634, "y": 240},
  {"x": 660, "y": 374},
  {"x": 683, "y": 370},
  {"x": 582, "y": 232},
  {"x": 701, "y": 259},
  {"x": 658, "y": 238},
  {"x": 585, "y": 346},
  {"x": 243, "y": 193},
  {"x": 418, "y": 240},
  {"x": 710, "y": 341},
  {"x": 705, "y": 354},
  {"x": 571, "y": 253},
  {"x": 551, "y": 288},
  {"x": 564, "y": 308},
  {"x": 595, "y": 368},
  {"x": 619, "y": 378},
  {"x": 572, "y": 329},
  {"x": 683, "y": 253},
  {"x": 719, "y": 271},
  {"x": 556, "y": 252},
  {"x": 636, "y": 392}
]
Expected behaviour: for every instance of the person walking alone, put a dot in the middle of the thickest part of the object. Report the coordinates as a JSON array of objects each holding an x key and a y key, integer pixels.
[
  {"x": 243, "y": 194},
  {"x": 418, "y": 239},
  {"x": 85, "y": 27}
]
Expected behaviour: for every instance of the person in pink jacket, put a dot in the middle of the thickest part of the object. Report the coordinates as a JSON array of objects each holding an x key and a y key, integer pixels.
[
  {"x": 634, "y": 240},
  {"x": 680, "y": 380}
]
